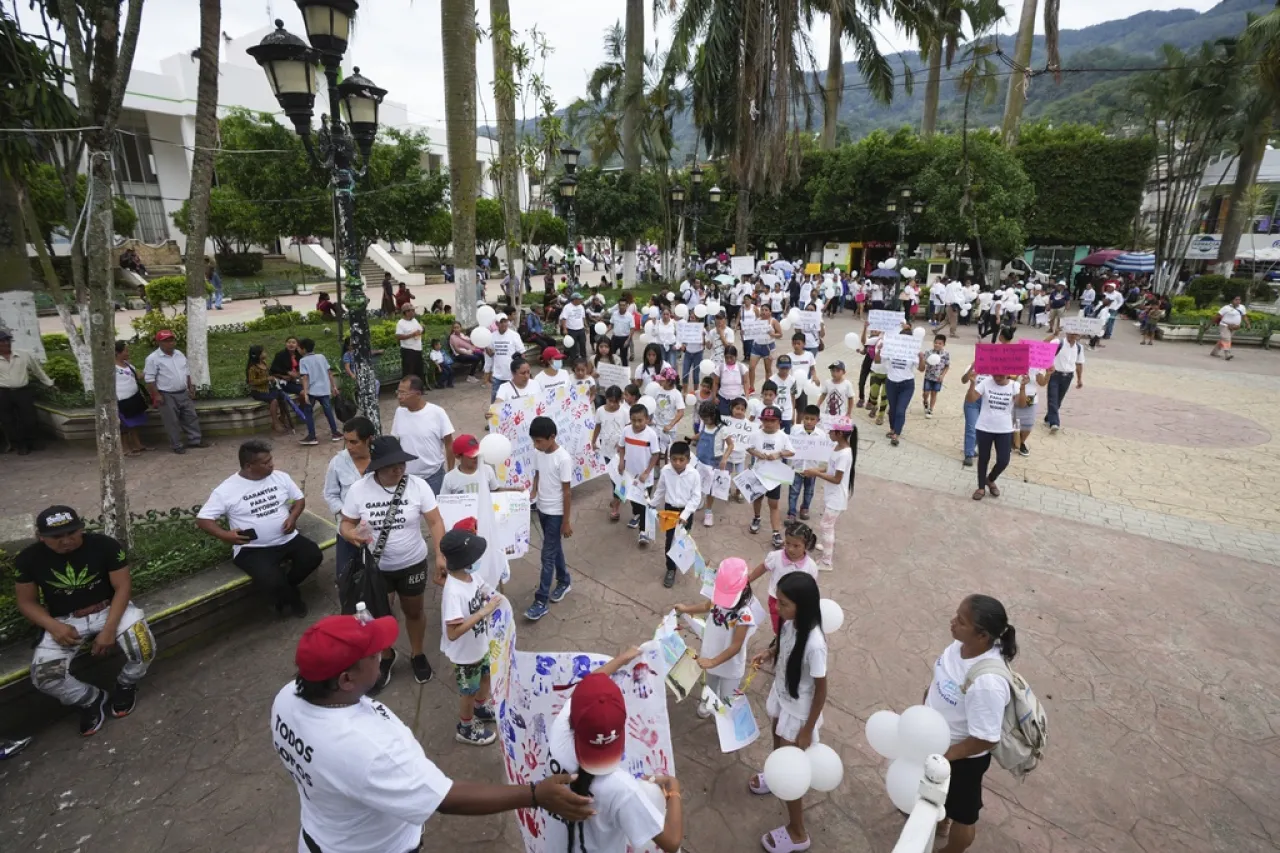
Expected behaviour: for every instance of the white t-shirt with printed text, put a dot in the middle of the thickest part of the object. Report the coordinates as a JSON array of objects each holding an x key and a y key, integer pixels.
[
  {"x": 258, "y": 505},
  {"x": 370, "y": 501}
]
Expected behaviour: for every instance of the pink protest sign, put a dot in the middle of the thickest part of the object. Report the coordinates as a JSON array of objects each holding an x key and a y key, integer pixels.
[
  {"x": 1043, "y": 353},
  {"x": 1002, "y": 359}
]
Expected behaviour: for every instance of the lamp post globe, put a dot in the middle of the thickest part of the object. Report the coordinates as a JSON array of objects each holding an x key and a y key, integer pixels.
[
  {"x": 290, "y": 66},
  {"x": 328, "y": 25}
]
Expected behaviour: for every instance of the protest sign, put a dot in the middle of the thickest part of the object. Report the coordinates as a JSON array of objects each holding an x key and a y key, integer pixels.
[
  {"x": 740, "y": 265},
  {"x": 683, "y": 550},
  {"x": 1002, "y": 359},
  {"x": 511, "y": 517},
  {"x": 1087, "y": 326},
  {"x": 575, "y": 420},
  {"x": 720, "y": 481},
  {"x": 740, "y": 432},
  {"x": 454, "y": 508},
  {"x": 750, "y": 486},
  {"x": 1042, "y": 354},
  {"x": 900, "y": 348},
  {"x": 774, "y": 473},
  {"x": 812, "y": 448},
  {"x": 810, "y": 321},
  {"x": 769, "y": 279},
  {"x": 755, "y": 330},
  {"x": 812, "y": 269},
  {"x": 612, "y": 374},
  {"x": 884, "y": 321},
  {"x": 689, "y": 332}
]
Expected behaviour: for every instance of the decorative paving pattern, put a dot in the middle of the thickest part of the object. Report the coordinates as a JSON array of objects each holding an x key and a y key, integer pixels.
[{"x": 1135, "y": 416}]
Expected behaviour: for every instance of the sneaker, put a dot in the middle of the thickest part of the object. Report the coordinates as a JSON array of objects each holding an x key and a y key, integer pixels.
[
  {"x": 93, "y": 715},
  {"x": 1054, "y": 428},
  {"x": 804, "y": 514},
  {"x": 739, "y": 498},
  {"x": 968, "y": 462},
  {"x": 384, "y": 673},
  {"x": 826, "y": 566},
  {"x": 862, "y": 402},
  {"x": 703, "y": 711},
  {"x": 484, "y": 713},
  {"x": 669, "y": 580},
  {"x": 309, "y": 441},
  {"x": 536, "y": 611},
  {"x": 928, "y": 413},
  {"x": 1228, "y": 356},
  {"x": 123, "y": 698},
  {"x": 879, "y": 420},
  {"x": 337, "y": 436},
  {"x": 1023, "y": 451},
  {"x": 10, "y": 748},
  {"x": 643, "y": 540},
  {"x": 421, "y": 668},
  {"x": 777, "y": 539},
  {"x": 755, "y": 525},
  {"x": 560, "y": 591},
  {"x": 791, "y": 517},
  {"x": 474, "y": 734},
  {"x": 820, "y": 547},
  {"x": 708, "y": 519},
  {"x": 634, "y": 523}
]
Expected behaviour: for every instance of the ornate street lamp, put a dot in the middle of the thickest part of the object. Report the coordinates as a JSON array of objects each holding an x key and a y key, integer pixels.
[
  {"x": 904, "y": 212},
  {"x": 568, "y": 191},
  {"x": 350, "y": 124}
]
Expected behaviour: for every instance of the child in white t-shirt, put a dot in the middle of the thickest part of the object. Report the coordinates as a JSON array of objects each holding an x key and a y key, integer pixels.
[
  {"x": 471, "y": 476},
  {"x": 728, "y": 626},
  {"x": 465, "y": 605},
  {"x": 837, "y": 393},
  {"x": 552, "y": 495},
  {"x": 670, "y": 408},
  {"x": 769, "y": 444},
  {"x": 611, "y": 420},
  {"x": 638, "y": 453},
  {"x": 837, "y": 485}
]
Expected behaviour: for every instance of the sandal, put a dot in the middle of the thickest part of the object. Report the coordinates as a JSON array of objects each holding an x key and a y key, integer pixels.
[
  {"x": 614, "y": 515},
  {"x": 779, "y": 841},
  {"x": 993, "y": 488},
  {"x": 979, "y": 494},
  {"x": 758, "y": 786},
  {"x": 894, "y": 441}
]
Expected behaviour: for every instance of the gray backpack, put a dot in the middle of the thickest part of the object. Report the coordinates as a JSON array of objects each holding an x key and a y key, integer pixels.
[{"x": 1024, "y": 732}]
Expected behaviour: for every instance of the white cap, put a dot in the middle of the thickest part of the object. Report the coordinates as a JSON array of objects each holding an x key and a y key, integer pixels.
[{"x": 500, "y": 318}]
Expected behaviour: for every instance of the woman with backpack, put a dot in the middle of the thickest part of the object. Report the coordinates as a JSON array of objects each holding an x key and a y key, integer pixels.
[{"x": 973, "y": 706}]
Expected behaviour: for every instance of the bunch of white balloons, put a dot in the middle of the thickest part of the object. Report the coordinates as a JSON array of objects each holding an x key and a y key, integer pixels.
[
  {"x": 908, "y": 273},
  {"x": 790, "y": 771},
  {"x": 907, "y": 740}
]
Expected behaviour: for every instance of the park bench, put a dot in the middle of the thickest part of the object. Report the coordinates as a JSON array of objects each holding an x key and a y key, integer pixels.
[
  {"x": 235, "y": 288},
  {"x": 1257, "y": 336}
]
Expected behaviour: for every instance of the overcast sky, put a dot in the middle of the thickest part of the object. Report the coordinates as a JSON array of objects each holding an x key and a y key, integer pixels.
[{"x": 397, "y": 43}]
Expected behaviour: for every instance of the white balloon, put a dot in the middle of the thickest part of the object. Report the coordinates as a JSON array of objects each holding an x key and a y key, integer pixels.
[
  {"x": 933, "y": 360},
  {"x": 813, "y": 389},
  {"x": 964, "y": 312},
  {"x": 881, "y": 265},
  {"x": 706, "y": 367},
  {"x": 601, "y": 329},
  {"x": 890, "y": 263},
  {"x": 569, "y": 342},
  {"x": 903, "y": 783},
  {"x": 832, "y": 616},
  {"x": 917, "y": 332},
  {"x": 671, "y": 297},
  {"x": 700, "y": 311},
  {"x": 785, "y": 324},
  {"x": 787, "y": 773},
  {"x": 882, "y": 733},
  {"x": 853, "y": 340},
  {"x": 682, "y": 312},
  {"x": 713, "y": 306},
  {"x": 922, "y": 731},
  {"x": 643, "y": 340},
  {"x": 648, "y": 327},
  {"x": 654, "y": 311},
  {"x": 907, "y": 272},
  {"x": 755, "y": 406},
  {"x": 690, "y": 401},
  {"x": 481, "y": 337},
  {"x": 495, "y": 448},
  {"x": 830, "y": 292},
  {"x": 826, "y": 771},
  {"x": 728, "y": 336},
  {"x": 485, "y": 315},
  {"x": 794, "y": 314},
  {"x": 649, "y": 403},
  {"x": 653, "y": 389}
]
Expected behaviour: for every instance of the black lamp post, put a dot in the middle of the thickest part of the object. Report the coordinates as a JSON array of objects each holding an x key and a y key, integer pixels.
[
  {"x": 568, "y": 192},
  {"x": 904, "y": 212},
  {"x": 677, "y": 202},
  {"x": 350, "y": 125}
]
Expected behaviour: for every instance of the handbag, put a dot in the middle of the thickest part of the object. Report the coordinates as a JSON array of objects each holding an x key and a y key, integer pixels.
[
  {"x": 363, "y": 580},
  {"x": 343, "y": 408}
]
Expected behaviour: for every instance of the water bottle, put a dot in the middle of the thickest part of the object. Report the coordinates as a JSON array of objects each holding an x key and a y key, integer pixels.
[{"x": 362, "y": 613}]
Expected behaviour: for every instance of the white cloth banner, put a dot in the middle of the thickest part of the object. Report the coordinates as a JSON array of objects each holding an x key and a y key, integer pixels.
[
  {"x": 741, "y": 265},
  {"x": 812, "y": 448}
]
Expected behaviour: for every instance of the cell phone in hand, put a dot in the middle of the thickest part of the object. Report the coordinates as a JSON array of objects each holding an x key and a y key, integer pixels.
[{"x": 249, "y": 534}]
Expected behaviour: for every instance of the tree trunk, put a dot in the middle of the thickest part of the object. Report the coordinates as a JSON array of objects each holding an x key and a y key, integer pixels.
[
  {"x": 458, "y": 32},
  {"x": 79, "y": 348},
  {"x": 931, "y": 90},
  {"x": 505, "y": 95},
  {"x": 17, "y": 290},
  {"x": 201, "y": 180},
  {"x": 835, "y": 80},
  {"x": 743, "y": 223},
  {"x": 1246, "y": 173},
  {"x": 632, "y": 116},
  {"x": 1017, "y": 96}
]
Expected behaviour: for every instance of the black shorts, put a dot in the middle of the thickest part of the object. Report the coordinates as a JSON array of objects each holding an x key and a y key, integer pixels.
[
  {"x": 964, "y": 799},
  {"x": 774, "y": 494},
  {"x": 407, "y": 582}
]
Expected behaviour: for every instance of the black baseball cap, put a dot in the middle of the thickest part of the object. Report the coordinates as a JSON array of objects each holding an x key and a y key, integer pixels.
[
  {"x": 836, "y": 365},
  {"x": 58, "y": 521},
  {"x": 461, "y": 549},
  {"x": 784, "y": 361}
]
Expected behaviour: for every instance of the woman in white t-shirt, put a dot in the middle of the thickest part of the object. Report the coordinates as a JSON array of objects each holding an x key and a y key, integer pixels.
[
  {"x": 664, "y": 333},
  {"x": 798, "y": 694},
  {"x": 650, "y": 367},
  {"x": 730, "y": 381},
  {"x": 521, "y": 383},
  {"x": 999, "y": 396},
  {"x": 973, "y": 705}
]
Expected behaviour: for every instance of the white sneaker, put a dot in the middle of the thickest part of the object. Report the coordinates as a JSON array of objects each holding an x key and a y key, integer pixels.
[
  {"x": 928, "y": 413},
  {"x": 707, "y": 519},
  {"x": 1054, "y": 428}
]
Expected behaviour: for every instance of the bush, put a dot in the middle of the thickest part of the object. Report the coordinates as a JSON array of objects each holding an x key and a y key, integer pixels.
[
  {"x": 64, "y": 371},
  {"x": 1184, "y": 304},
  {"x": 283, "y": 320},
  {"x": 55, "y": 343},
  {"x": 146, "y": 326},
  {"x": 1206, "y": 289},
  {"x": 167, "y": 291},
  {"x": 242, "y": 264}
]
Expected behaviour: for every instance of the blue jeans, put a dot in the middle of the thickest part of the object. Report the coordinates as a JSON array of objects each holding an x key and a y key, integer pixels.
[
  {"x": 435, "y": 480},
  {"x": 669, "y": 355},
  {"x": 692, "y": 364},
  {"x": 1059, "y": 385},
  {"x": 327, "y": 406},
  {"x": 900, "y": 394},
  {"x": 552, "y": 556},
  {"x": 214, "y": 300},
  {"x": 1111, "y": 324},
  {"x": 805, "y": 484},
  {"x": 971, "y": 412},
  {"x": 493, "y": 388}
]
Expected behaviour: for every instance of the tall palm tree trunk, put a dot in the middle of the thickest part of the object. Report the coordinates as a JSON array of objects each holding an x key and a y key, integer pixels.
[
  {"x": 504, "y": 92},
  {"x": 201, "y": 181},
  {"x": 1246, "y": 173},
  {"x": 458, "y": 32},
  {"x": 632, "y": 116},
  {"x": 932, "y": 88},
  {"x": 832, "y": 91},
  {"x": 1017, "y": 96}
]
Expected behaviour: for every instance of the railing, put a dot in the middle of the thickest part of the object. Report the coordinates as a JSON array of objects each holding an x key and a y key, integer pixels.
[{"x": 922, "y": 825}]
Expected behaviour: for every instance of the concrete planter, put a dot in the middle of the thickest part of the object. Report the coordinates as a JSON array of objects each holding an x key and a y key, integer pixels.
[{"x": 244, "y": 416}]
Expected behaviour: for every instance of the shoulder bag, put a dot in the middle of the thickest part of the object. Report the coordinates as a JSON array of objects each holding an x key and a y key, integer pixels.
[{"x": 363, "y": 580}]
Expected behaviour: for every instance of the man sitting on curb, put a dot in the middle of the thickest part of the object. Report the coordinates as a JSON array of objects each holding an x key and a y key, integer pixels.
[
  {"x": 262, "y": 507},
  {"x": 85, "y": 583}
]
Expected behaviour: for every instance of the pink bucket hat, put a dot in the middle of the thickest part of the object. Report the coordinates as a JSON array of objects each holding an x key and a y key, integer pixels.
[{"x": 731, "y": 579}]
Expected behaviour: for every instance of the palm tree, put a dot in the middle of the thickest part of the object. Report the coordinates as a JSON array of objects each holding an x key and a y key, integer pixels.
[
  {"x": 201, "y": 184},
  {"x": 854, "y": 20},
  {"x": 1017, "y": 96},
  {"x": 599, "y": 113},
  {"x": 632, "y": 115},
  {"x": 458, "y": 32},
  {"x": 939, "y": 26},
  {"x": 504, "y": 92}
]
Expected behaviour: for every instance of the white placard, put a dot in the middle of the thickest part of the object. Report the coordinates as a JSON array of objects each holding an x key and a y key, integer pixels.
[
  {"x": 741, "y": 265},
  {"x": 682, "y": 551},
  {"x": 750, "y": 486},
  {"x": 755, "y": 330},
  {"x": 719, "y": 485},
  {"x": 774, "y": 472},
  {"x": 612, "y": 374},
  {"x": 511, "y": 518},
  {"x": 1088, "y": 326},
  {"x": 884, "y": 321},
  {"x": 899, "y": 348},
  {"x": 811, "y": 322},
  {"x": 454, "y": 508},
  {"x": 812, "y": 448},
  {"x": 769, "y": 279},
  {"x": 689, "y": 332}
]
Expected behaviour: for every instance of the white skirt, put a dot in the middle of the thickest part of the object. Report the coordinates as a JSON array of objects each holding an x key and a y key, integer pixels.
[{"x": 785, "y": 725}]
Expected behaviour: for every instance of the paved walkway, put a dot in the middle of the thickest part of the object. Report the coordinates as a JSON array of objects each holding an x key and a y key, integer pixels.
[{"x": 1147, "y": 630}]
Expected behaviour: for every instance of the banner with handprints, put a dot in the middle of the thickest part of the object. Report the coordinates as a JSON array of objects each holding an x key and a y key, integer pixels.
[
  {"x": 575, "y": 420},
  {"x": 531, "y": 688}
]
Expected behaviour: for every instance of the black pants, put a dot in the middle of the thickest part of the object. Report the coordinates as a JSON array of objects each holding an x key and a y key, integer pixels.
[
  {"x": 618, "y": 346},
  {"x": 18, "y": 418},
  {"x": 580, "y": 338},
  {"x": 411, "y": 363},
  {"x": 638, "y": 511},
  {"x": 863, "y": 372},
  {"x": 265, "y": 567},
  {"x": 671, "y": 535},
  {"x": 472, "y": 361},
  {"x": 1003, "y": 442}
]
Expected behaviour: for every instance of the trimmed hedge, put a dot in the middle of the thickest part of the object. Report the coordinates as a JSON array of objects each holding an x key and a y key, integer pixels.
[{"x": 245, "y": 264}]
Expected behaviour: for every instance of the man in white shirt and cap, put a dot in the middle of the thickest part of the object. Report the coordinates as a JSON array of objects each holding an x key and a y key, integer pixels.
[
  {"x": 173, "y": 392},
  {"x": 17, "y": 407},
  {"x": 506, "y": 345}
]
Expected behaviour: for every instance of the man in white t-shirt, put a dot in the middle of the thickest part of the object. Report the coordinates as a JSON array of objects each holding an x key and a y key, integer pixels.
[
  {"x": 1230, "y": 318},
  {"x": 506, "y": 345},
  {"x": 364, "y": 783},
  {"x": 424, "y": 429},
  {"x": 573, "y": 323},
  {"x": 1115, "y": 301},
  {"x": 370, "y": 508},
  {"x": 1068, "y": 364},
  {"x": 262, "y": 506},
  {"x": 409, "y": 334}
]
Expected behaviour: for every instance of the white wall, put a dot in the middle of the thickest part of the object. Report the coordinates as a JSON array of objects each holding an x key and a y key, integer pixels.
[{"x": 173, "y": 170}]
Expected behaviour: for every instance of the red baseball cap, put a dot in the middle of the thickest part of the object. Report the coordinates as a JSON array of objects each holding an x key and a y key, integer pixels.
[
  {"x": 771, "y": 413},
  {"x": 550, "y": 354},
  {"x": 466, "y": 445},
  {"x": 336, "y": 643},
  {"x": 598, "y": 717},
  {"x": 468, "y": 524},
  {"x": 165, "y": 335}
]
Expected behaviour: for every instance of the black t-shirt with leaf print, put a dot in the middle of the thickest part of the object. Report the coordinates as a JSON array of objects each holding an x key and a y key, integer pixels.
[{"x": 70, "y": 582}]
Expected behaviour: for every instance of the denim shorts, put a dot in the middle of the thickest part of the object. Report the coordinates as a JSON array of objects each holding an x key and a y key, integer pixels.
[
  {"x": 933, "y": 385},
  {"x": 764, "y": 350}
]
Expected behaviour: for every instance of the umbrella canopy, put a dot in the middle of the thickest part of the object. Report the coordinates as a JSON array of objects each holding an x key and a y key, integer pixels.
[
  {"x": 783, "y": 265},
  {"x": 725, "y": 278},
  {"x": 884, "y": 273},
  {"x": 1133, "y": 262},
  {"x": 1100, "y": 258}
]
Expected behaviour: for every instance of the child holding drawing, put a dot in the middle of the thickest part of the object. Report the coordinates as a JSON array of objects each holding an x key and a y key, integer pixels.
[
  {"x": 679, "y": 488},
  {"x": 713, "y": 449},
  {"x": 729, "y": 624},
  {"x": 769, "y": 444},
  {"x": 638, "y": 452},
  {"x": 837, "y": 480},
  {"x": 793, "y": 556}
]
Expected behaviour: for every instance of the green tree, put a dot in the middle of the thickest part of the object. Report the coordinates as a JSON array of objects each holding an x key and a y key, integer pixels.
[
  {"x": 618, "y": 205},
  {"x": 546, "y": 229},
  {"x": 288, "y": 193},
  {"x": 47, "y": 196},
  {"x": 848, "y": 193},
  {"x": 396, "y": 190},
  {"x": 438, "y": 233},
  {"x": 234, "y": 222}
]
